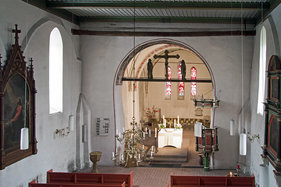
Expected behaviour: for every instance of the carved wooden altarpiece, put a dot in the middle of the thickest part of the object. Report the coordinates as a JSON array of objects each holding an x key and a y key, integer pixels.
[
  {"x": 17, "y": 102},
  {"x": 272, "y": 136}
]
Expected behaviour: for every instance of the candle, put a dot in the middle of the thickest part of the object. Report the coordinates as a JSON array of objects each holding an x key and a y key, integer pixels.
[
  {"x": 178, "y": 119},
  {"x": 131, "y": 136},
  {"x": 152, "y": 149},
  {"x": 122, "y": 157},
  {"x": 151, "y": 154},
  {"x": 143, "y": 135},
  {"x": 142, "y": 147},
  {"x": 155, "y": 135},
  {"x": 139, "y": 156},
  {"x": 149, "y": 132},
  {"x": 145, "y": 130}
]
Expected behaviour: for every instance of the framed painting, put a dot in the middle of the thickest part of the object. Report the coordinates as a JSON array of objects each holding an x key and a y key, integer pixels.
[{"x": 17, "y": 102}]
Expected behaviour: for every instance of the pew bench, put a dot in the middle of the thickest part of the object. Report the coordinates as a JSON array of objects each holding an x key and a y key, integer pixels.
[
  {"x": 212, "y": 181},
  {"x": 89, "y": 178},
  {"x": 34, "y": 184}
]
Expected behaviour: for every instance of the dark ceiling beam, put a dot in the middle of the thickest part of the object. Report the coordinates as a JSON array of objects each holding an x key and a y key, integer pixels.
[
  {"x": 157, "y": 4},
  {"x": 222, "y": 20},
  {"x": 58, "y": 12},
  {"x": 163, "y": 34},
  {"x": 266, "y": 11}
]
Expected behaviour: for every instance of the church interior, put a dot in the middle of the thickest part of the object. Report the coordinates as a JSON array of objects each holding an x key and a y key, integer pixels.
[{"x": 140, "y": 93}]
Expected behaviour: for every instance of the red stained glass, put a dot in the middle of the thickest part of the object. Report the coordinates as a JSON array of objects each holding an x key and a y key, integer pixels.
[
  {"x": 169, "y": 84},
  {"x": 181, "y": 84},
  {"x": 193, "y": 75}
]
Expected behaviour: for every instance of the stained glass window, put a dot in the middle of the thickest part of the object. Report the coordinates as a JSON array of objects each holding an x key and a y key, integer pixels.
[
  {"x": 168, "y": 92},
  {"x": 181, "y": 84},
  {"x": 193, "y": 74}
]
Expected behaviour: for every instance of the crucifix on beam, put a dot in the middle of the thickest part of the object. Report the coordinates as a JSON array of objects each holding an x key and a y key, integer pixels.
[{"x": 166, "y": 57}]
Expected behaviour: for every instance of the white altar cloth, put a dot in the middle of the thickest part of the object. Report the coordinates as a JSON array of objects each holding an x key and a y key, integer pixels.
[{"x": 170, "y": 136}]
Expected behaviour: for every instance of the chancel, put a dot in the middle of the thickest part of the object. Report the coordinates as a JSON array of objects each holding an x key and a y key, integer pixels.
[{"x": 140, "y": 93}]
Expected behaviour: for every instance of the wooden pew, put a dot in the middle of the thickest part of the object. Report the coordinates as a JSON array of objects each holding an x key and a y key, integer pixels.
[
  {"x": 89, "y": 178},
  {"x": 34, "y": 184},
  {"x": 211, "y": 181}
]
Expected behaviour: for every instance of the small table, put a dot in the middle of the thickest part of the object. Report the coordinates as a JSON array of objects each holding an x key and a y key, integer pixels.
[{"x": 170, "y": 136}]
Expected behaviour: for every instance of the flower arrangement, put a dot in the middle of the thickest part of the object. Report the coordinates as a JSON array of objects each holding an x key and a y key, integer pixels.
[{"x": 150, "y": 113}]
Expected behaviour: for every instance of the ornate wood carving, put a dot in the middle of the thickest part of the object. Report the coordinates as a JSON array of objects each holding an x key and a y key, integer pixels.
[
  {"x": 272, "y": 140},
  {"x": 17, "y": 93}
]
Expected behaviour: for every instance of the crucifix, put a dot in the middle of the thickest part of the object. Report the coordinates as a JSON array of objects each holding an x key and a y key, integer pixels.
[
  {"x": 166, "y": 57},
  {"x": 16, "y": 31}
]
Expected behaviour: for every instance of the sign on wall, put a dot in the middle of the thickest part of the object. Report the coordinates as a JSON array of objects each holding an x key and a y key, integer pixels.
[{"x": 102, "y": 126}]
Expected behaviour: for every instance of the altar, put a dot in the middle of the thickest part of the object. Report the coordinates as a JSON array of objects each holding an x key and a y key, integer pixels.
[{"x": 170, "y": 136}]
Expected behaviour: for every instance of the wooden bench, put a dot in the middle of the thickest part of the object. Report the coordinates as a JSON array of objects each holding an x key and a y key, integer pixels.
[
  {"x": 34, "y": 184},
  {"x": 89, "y": 178},
  {"x": 211, "y": 181}
]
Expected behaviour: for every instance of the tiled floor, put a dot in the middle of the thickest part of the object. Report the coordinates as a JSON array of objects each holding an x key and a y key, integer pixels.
[{"x": 158, "y": 177}]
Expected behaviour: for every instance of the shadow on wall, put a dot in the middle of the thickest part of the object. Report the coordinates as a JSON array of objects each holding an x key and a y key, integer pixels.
[{"x": 83, "y": 137}]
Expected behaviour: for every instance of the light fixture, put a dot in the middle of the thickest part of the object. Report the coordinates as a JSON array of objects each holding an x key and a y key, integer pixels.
[
  {"x": 231, "y": 127},
  {"x": 243, "y": 144}
]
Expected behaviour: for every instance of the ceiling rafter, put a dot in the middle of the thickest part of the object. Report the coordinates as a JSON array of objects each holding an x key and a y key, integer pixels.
[{"x": 158, "y": 4}]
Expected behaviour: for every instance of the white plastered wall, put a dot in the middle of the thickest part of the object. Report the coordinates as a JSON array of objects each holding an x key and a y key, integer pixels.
[
  {"x": 54, "y": 152},
  {"x": 264, "y": 175}
]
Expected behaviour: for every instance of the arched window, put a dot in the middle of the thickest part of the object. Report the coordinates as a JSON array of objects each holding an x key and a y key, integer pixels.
[
  {"x": 55, "y": 72},
  {"x": 181, "y": 84},
  {"x": 193, "y": 75},
  {"x": 168, "y": 89},
  {"x": 262, "y": 69}
]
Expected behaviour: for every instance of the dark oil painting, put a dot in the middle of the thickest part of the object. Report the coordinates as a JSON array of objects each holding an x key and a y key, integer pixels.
[{"x": 16, "y": 110}]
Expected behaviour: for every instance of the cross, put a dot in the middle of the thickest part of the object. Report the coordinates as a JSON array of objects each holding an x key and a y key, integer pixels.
[
  {"x": 166, "y": 57},
  {"x": 16, "y": 35}
]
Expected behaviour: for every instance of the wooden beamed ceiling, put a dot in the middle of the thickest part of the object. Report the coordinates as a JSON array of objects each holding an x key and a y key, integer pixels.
[{"x": 200, "y": 11}]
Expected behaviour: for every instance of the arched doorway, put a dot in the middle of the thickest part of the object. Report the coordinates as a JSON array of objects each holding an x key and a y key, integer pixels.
[{"x": 152, "y": 101}]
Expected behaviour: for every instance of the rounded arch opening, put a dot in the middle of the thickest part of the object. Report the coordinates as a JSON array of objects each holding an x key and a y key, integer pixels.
[{"x": 125, "y": 69}]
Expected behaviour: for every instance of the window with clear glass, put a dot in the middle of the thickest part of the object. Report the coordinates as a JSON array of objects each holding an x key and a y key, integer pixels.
[
  {"x": 181, "y": 84},
  {"x": 55, "y": 72},
  {"x": 262, "y": 69},
  {"x": 193, "y": 75},
  {"x": 168, "y": 88}
]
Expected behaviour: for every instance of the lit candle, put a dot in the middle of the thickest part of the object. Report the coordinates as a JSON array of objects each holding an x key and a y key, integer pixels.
[
  {"x": 149, "y": 132},
  {"x": 155, "y": 135},
  {"x": 145, "y": 130},
  {"x": 143, "y": 135}
]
